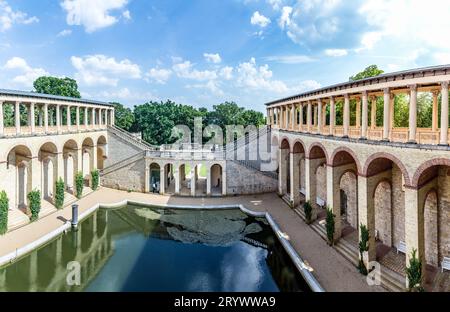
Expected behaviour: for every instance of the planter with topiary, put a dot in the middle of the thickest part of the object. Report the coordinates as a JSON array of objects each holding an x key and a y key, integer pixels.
[
  {"x": 330, "y": 225},
  {"x": 79, "y": 184},
  {"x": 59, "y": 194},
  {"x": 307, "y": 208},
  {"x": 95, "y": 176},
  {"x": 34, "y": 203},
  {"x": 363, "y": 247},
  {"x": 414, "y": 273},
  {"x": 4, "y": 206}
]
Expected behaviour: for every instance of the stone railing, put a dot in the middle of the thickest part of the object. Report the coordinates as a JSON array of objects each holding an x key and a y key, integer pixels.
[{"x": 40, "y": 130}]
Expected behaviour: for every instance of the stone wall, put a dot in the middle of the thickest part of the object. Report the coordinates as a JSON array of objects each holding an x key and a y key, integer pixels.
[
  {"x": 398, "y": 206},
  {"x": 349, "y": 185},
  {"x": 431, "y": 229},
  {"x": 383, "y": 212},
  {"x": 242, "y": 180},
  {"x": 119, "y": 149},
  {"x": 444, "y": 212},
  {"x": 321, "y": 185},
  {"x": 128, "y": 178}
]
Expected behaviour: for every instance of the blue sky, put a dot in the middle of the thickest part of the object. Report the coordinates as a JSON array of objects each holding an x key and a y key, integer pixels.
[{"x": 204, "y": 52}]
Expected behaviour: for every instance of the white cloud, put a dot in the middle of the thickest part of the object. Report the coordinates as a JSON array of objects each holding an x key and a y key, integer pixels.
[
  {"x": 126, "y": 15},
  {"x": 123, "y": 95},
  {"x": 160, "y": 75},
  {"x": 92, "y": 14},
  {"x": 276, "y": 4},
  {"x": 290, "y": 59},
  {"x": 211, "y": 86},
  {"x": 9, "y": 17},
  {"x": 285, "y": 19},
  {"x": 185, "y": 70},
  {"x": 26, "y": 74},
  {"x": 336, "y": 52},
  {"x": 259, "y": 20},
  {"x": 442, "y": 57},
  {"x": 103, "y": 70},
  {"x": 64, "y": 33},
  {"x": 306, "y": 85},
  {"x": 212, "y": 58},
  {"x": 226, "y": 73},
  {"x": 258, "y": 78}
]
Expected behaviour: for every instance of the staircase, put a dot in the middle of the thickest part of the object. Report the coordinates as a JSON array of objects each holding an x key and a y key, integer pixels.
[
  {"x": 16, "y": 219},
  {"x": 139, "y": 143},
  {"x": 122, "y": 163}
]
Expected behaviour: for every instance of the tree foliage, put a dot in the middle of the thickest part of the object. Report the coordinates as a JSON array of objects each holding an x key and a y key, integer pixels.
[
  {"x": 124, "y": 117},
  {"x": 4, "y": 206},
  {"x": 34, "y": 202},
  {"x": 59, "y": 195},
  {"x": 79, "y": 184},
  {"x": 370, "y": 71},
  {"x": 57, "y": 86}
]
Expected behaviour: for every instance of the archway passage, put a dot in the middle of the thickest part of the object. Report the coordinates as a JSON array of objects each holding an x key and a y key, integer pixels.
[
  {"x": 70, "y": 156},
  {"x": 48, "y": 158},
  {"x": 316, "y": 186},
  {"x": 19, "y": 171},
  {"x": 88, "y": 163},
  {"x": 102, "y": 152},
  {"x": 296, "y": 171},
  {"x": 169, "y": 179},
  {"x": 155, "y": 178},
  {"x": 284, "y": 174},
  {"x": 386, "y": 179},
  {"x": 216, "y": 179}
]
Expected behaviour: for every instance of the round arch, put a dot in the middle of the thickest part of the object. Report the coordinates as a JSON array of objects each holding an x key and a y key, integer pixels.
[
  {"x": 298, "y": 147},
  {"x": 367, "y": 171},
  {"x": 343, "y": 156},
  {"x": 425, "y": 166},
  {"x": 316, "y": 150}
]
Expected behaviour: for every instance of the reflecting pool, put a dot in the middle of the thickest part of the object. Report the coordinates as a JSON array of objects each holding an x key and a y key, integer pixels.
[{"x": 138, "y": 248}]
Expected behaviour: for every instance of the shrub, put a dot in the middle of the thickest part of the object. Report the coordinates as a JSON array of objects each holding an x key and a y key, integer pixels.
[
  {"x": 307, "y": 208},
  {"x": 363, "y": 247},
  {"x": 59, "y": 194},
  {"x": 34, "y": 202},
  {"x": 330, "y": 226},
  {"x": 414, "y": 273},
  {"x": 95, "y": 179},
  {"x": 4, "y": 206},
  {"x": 79, "y": 184}
]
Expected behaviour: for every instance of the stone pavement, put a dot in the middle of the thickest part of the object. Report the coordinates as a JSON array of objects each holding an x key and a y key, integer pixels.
[{"x": 331, "y": 269}]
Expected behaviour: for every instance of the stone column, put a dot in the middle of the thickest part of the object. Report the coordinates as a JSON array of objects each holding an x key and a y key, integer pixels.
[
  {"x": 319, "y": 116},
  {"x": 434, "y": 123},
  {"x": 69, "y": 118},
  {"x": 208, "y": 182},
  {"x": 193, "y": 180},
  {"x": 162, "y": 180},
  {"x": 366, "y": 215},
  {"x": 60, "y": 166},
  {"x": 147, "y": 178},
  {"x": 358, "y": 112},
  {"x": 444, "y": 113},
  {"x": 373, "y": 114},
  {"x": 309, "y": 116},
  {"x": 93, "y": 117},
  {"x": 391, "y": 115},
  {"x": 386, "y": 115},
  {"x": 282, "y": 185},
  {"x": 58, "y": 118},
  {"x": 78, "y": 117},
  {"x": 46, "y": 117},
  {"x": 301, "y": 117},
  {"x": 17, "y": 116},
  {"x": 414, "y": 227},
  {"x": 295, "y": 178},
  {"x": 332, "y": 115},
  {"x": 224, "y": 179},
  {"x": 346, "y": 114},
  {"x": 324, "y": 114},
  {"x": 365, "y": 111},
  {"x": 333, "y": 199},
  {"x": 32, "y": 118},
  {"x": 2, "y": 122},
  {"x": 315, "y": 115},
  {"x": 177, "y": 181},
  {"x": 412, "y": 113}
]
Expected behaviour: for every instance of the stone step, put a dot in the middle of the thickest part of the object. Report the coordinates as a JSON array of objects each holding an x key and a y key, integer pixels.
[
  {"x": 17, "y": 219},
  {"x": 47, "y": 208},
  {"x": 392, "y": 280}
]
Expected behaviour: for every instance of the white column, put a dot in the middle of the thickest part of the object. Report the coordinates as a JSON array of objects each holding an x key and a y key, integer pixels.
[
  {"x": 69, "y": 118},
  {"x": 100, "y": 117},
  {"x": 2, "y": 123},
  {"x": 444, "y": 113},
  {"x": 177, "y": 181},
  {"x": 86, "y": 117},
  {"x": 332, "y": 115},
  {"x": 319, "y": 116},
  {"x": 386, "y": 114},
  {"x": 365, "y": 115},
  {"x": 412, "y": 113},
  {"x": 32, "y": 118},
  {"x": 434, "y": 123},
  {"x": 208, "y": 182},
  {"x": 309, "y": 116},
  {"x": 301, "y": 117},
  {"x": 58, "y": 118},
  {"x": 147, "y": 179},
  {"x": 113, "y": 117},
  {"x": 358, "y": 113},
  {"x": 346, "y": 114},
  {"x": 78, "y": 117},
  {"x": 193, "y": 180},
  {"x": 93, "y": 117},
  {"x": 293, "y": 117},
  {"x": 17, "y": 116},
  {"x": 46, "y": 117}
]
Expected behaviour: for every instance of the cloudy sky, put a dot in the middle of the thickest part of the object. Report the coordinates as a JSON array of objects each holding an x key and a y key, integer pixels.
[{"x": 204, "y": 52}]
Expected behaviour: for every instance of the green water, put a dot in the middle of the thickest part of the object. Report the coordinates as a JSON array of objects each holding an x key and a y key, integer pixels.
[{"x": 155, "y": 249}]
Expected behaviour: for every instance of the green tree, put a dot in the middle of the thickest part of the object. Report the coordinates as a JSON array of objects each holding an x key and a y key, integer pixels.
[
  {"x": 370, "y": 71},
  {"x": 124, "y": 117},
  {"x": 57, "y": 86}
]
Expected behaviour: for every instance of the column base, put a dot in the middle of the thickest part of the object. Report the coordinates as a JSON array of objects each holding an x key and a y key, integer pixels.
[
  {"x": 385, "y": 140},
  {"x": 363, "y": 138},
  {"x": 443, "y": 144},
  {"x": 412, "y": 142},
  {"x": 345, "y": 136}
]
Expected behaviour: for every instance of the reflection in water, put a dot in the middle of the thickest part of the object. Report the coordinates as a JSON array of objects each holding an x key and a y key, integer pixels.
[{"x": 147, "y": 249}]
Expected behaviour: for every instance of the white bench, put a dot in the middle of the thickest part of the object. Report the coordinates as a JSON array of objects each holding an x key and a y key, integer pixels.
[
  {"x": 401, "y": 247},
  {"x": 302, "y": 191},
  {"x": 445, "y": 264},
  {"x": 320, "y": 202}
]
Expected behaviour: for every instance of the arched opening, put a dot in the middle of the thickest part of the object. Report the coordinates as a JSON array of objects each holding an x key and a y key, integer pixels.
[
  {"x": 183, "y": 173},
  {"x": 386, "y": 177},
  {"x": 155, "y": 178},
  {"x": 216, "y": 179},
  {"x": 102, "y": 152},
  {"x": 298, "y": 173},
  {"x": 284, "y": 168},
  {"x": 198, "y": 175},
  {"x": 318, "y": 178},
  {"x": 19, "y": 170},
  {"x": 349, "y": 199},
  {"x": 88, "y": 160},
  {"x": 47, "y": 157},
  {"x": 70, "y": 156},
  {"x": 169, "y": 179}
]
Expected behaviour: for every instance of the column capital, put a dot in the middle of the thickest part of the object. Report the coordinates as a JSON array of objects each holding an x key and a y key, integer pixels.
[
  {"x": 365, "y": 93},
  {"x": 444, "y": 84},
  {"x": 386, "y": 91},
  {"x": 412, "y": 87},
  {"x": 346, "y": 96},
  {"x": 436, "y": 93}
]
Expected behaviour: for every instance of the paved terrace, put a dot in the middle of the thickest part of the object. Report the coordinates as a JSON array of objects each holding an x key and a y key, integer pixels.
[{"x": 332, "y": 271}]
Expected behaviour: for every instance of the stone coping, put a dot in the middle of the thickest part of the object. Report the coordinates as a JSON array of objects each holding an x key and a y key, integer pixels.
[{"x": 304, "y": 269}]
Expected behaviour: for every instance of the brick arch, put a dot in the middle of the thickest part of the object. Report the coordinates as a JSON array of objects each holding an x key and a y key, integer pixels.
[
  {"x": 378, "y": 184},
  {"x": 298, "y": 142},
  {"x": 349, "y": 171},
  {"x": 391, "y": 158},
  {"x": 430, "y": 191},
  {"x": 319, "y": 145},
  {"x": 350, "y": 152},
  {"x": 282, "y": 145},
  {"x": 427, "y": 165}
]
